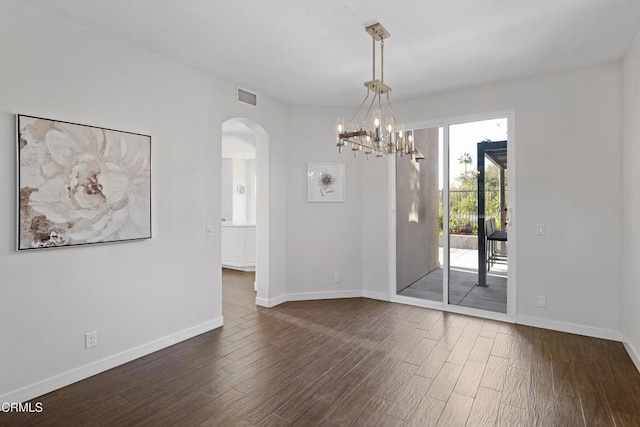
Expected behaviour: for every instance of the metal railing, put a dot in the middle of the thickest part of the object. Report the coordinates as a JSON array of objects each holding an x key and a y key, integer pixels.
[{"x": 463, "y": 209}]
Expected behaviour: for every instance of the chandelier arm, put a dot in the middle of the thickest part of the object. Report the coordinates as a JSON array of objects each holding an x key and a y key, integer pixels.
[
  {"x": 358, "y": 110},
  {"x": 364, "y": 119},
  {"x": 383, "y": 117},
  {"x": 393, "y": 114}
]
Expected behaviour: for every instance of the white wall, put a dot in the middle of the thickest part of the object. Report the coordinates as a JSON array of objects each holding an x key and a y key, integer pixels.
[
  {"x": 631, "y": 199},
  {"x": 568, "y": 131},
  {"x": 226, "y": 188},
  {"x": 568, "y": 176},
  {"x": 251, "y": 190},
  {"x": 243, "y": 172},
  {"x": 239, "y": 200},
  {"x": 568, "y": 148},
  {"x": 323, "y": 238},
  {"x": 138, "y": 296}
]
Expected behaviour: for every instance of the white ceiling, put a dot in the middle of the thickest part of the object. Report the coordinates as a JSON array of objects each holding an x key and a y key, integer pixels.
[{"x": 317, "y": 52}]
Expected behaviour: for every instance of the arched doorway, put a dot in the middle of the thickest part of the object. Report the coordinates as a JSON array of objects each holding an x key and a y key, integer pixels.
[{"x": 252, "y": 134}]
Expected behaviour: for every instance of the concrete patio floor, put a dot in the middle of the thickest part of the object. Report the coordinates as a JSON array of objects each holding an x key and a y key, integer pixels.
[{"x": 463, "y": 276}]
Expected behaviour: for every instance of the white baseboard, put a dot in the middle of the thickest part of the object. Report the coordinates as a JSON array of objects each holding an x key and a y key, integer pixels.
[
  {"x": 268, "y": 303},
  {"x": 382, "y": 296},
  {"x": 417, "y": 302},
  {"x": 633, "y": 352},
  {"x": 308, "y": 296},
  {"x": 74, "y": 375},
  {"x": 572, "y": 328}
]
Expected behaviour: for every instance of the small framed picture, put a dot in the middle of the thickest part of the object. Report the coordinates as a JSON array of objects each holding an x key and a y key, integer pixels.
[{"x": 325, "y": 182}]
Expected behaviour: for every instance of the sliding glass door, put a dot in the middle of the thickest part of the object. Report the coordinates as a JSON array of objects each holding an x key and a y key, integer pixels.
[
  {"x": 451, "y": 216},
  {"x": 477, "y": 203},
  {"x": 419, "y": 255}
]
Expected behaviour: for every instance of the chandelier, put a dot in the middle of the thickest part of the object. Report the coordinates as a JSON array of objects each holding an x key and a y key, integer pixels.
[{"x": 374, "y": 128}]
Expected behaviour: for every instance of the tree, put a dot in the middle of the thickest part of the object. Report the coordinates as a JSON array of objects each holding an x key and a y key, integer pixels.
[
  {"x": 465, "y": 159},
  {"x": 464, "y": 199}
]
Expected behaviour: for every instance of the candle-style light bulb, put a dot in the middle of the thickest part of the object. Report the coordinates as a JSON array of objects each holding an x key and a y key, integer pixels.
[
  {"x": 410, "y": 146},
  {"x": 340, "y": 129},
  {"x": 376, "y": 123},
  {"x": 339, "y": 141}
]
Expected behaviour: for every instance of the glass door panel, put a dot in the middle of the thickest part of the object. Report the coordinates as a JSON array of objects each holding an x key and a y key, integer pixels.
[
  {"x": 419, "y": 241},
  {"x": 477, "y": 203}
]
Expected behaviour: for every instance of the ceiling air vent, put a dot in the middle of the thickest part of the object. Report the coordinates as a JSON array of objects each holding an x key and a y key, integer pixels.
[{"x": 247, "y": 97}]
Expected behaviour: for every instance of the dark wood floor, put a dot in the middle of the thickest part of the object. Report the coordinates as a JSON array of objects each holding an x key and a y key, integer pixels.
[{"x": 356, "y": 362}]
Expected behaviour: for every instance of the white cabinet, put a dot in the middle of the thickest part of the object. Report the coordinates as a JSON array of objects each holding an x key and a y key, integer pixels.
[
  {"x": 239, "y": 246},
  {"x": 251, "y": 246}
]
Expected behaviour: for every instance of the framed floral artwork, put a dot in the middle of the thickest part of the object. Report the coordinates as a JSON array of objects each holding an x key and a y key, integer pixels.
[
  {"x": 81, "y": 184},
  {"x": 325, "y": 182}
]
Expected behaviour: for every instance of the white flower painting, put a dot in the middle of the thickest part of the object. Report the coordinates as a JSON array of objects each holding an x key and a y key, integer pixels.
[
  {"x": 325, "y": 182},
  {"x": 81, "y": 184}
]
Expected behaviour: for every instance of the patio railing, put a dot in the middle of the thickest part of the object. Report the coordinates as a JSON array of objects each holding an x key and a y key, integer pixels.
[{"x": 464, "y": 209}]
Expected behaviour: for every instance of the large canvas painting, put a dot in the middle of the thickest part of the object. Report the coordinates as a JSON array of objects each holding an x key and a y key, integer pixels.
[{"x": 81, "y": 184}]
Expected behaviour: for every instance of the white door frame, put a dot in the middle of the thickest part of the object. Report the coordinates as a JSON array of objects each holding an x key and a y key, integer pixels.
[{"x": 510, "y": 316}]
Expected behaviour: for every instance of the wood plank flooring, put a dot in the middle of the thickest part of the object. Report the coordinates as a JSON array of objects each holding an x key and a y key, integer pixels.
[{"x": 356, "y": 362}]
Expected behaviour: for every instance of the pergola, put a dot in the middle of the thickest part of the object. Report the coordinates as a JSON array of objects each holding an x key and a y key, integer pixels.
[{"x": 497, "y": 154}]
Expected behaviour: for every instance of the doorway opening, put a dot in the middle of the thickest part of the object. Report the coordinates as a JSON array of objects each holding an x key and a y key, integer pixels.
[
  {"x": 245, "y": 211},
  {"x": 452, "y": 222}
]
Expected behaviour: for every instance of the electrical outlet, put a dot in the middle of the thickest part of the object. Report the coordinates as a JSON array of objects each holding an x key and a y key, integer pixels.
[
  {"x": 90, "y": 339},
  {"x": 209, "y": 230},
  {"x": 542, "y": 301},
  {"x": 336, "y": 277}
]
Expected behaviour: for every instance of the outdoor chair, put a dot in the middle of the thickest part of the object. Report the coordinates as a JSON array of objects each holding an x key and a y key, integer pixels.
[{"x": 493, "y": 237}]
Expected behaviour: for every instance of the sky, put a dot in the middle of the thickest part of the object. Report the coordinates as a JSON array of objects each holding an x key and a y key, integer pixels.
[{"x": 463, "y": 139}]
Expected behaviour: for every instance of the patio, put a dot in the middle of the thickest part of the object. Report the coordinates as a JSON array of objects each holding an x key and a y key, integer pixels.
[
  {"x": 463, "y": 277},
  {"x": 471, "y": 220}
]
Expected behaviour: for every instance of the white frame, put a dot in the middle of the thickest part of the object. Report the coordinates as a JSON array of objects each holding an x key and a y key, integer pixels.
[
  {"x": 510, "y": 316},
  {"x": 315, "y": 191}
]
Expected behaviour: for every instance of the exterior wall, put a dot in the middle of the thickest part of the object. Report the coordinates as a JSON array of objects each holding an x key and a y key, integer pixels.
[{"x": 417, "y": 204}]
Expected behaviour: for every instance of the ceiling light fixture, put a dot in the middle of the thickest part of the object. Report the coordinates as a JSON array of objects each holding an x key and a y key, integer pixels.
[{"x": 376, "y": 130}]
